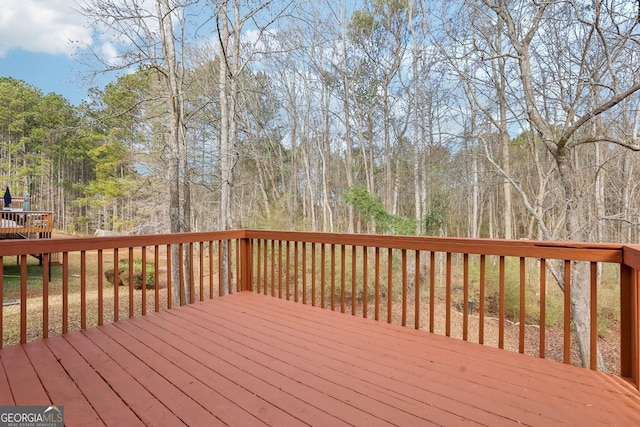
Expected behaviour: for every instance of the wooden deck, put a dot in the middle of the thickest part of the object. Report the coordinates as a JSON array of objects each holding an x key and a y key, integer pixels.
[
  {"x": 249, "y": 359},
  {"x": 16, "y": 224}
]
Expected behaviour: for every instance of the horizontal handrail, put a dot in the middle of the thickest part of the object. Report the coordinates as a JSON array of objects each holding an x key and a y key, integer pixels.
[
  {"x": 597, "y": 252},
  {"x": 454, "y": 286}
]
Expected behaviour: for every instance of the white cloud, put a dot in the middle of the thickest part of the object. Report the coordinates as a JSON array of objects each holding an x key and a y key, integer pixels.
[
  {"x": 109, "y": 54},
  {"x": 42, "y": 26}
]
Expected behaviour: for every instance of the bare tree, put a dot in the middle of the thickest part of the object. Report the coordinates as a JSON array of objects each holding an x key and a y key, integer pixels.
[
  {"x": 589, "y": 45},
  {"x": 381, "y": 31},
  {"x": 147, "y": 38}
]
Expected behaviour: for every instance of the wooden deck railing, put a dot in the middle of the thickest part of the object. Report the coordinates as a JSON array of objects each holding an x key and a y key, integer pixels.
[
  {"x": 25, "y": 224},
  {"x": 499, "y": 293}
]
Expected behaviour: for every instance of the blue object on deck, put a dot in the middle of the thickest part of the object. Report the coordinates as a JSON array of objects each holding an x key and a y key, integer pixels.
[{"x": 7, "y": 198}]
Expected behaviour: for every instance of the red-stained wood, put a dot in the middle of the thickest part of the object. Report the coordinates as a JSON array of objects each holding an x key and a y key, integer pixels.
[
  {"x": 211, "y": 269},
  {"x": 116, "y": 281},
  {"x": 313, "y": 274},
  {"x": 523, "y": 284},
  {"x": 333, "y": 277},
  {"x": 156, "y": 272},
  {"x": 403, "y": 264},
  {"x": 543, "y": 307},
  {"x": 448, "y": 285},
  {"x": 204, "y": 374},
  {"x": 279, "y": 268},
  {"x": 501, "y": 303},
  {"x": 365, "y": 281},
  {"x": 220, "y": 285},
  {"x": 343, "y": 279},
  {"x": 5, "y": 390},
  {"x": 59, "y": 387},
  {"x": 131, "y": 306},
  {"x": 2, "y": 299},
  {"x": 101, "y": 288},
  {"x": 353, "y": 280},
  {"x": 417, "y": 284},
  {"x": 265, "y": 267},
  {"x": 465, "y": 298},
  {"x": 123, "y": 380},
  {"x": 65, "y": 292},
  {"x": 481, "y": 302},
  {"x": 251, "y": 359},
  {"x": 287, "y": 270},
  {"x": 432, "y": 286},
  {"x": 104, "y": 400},
  {"x": 170, "y": 276},
  {"x": 567, "y": 312},
  {"x": 304, "y": 273},
  {"x": 593, "y": 315},
  {"x": 273, "y": 268},
  {"x": 295, "y": 271},
  {"x": 192, "y": 277},
  {"x": 45, "y": 296},
  {"x": 389, "y": 284},
  {"x": 200, "y": 271},
  {"x": 181, "y": 274},
  {"x": 23, "y": 299},
  {"x": 144, "y": 280},
  {"x": 323, "y": 273},
  {"x": 376, "y": 284},
  {"x": 566, "y": 252},
  {"x": 144, "y": 366},
  {"x": 259, "y": 279},
  {"x": 83, "y": 287},
  {"x": 238, "y": 281},
  {"x": 22, "y": 379}
]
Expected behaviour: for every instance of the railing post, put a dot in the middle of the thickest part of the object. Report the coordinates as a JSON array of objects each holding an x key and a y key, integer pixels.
[
  {"x": 629, "y": 324},
  {"x": 245, "y": 264}
]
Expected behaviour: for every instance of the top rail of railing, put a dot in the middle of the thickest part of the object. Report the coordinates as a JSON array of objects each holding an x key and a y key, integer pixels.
[
  {"x": 596, "y": 252},
  {"x": 575, "y": 251}
]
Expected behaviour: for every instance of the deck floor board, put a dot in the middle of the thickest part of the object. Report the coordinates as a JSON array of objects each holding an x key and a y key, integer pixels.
[
  {"x": 228, "y": 371},
  {"x": 23, "y": 380},
  {"x": 457, "y": 387},
  {"x": 111, "y": 409},
  {"x": 454, "y": 369},
  {"x": 217, "y": 393},
  {"x": 58, "y": 385},
  {"x": 248, "y": 359}
]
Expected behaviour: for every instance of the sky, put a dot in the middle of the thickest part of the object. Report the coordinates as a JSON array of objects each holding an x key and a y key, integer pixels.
[{"x": 37, "y": 45}]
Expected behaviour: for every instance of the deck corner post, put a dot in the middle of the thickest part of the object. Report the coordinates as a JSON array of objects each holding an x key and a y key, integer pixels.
[{"x": 630, "y": 324}]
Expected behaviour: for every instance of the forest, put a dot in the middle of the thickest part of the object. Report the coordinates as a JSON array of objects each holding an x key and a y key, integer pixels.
[{"x": 472, "y": 118}]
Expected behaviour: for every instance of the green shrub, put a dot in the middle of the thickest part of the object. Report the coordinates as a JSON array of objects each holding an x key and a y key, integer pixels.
[{"x": 137, "y": 269}]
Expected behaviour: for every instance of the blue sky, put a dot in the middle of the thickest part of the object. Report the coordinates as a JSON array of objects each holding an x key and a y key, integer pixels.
[
  {"x": 36, "y": 46},
  {"x": 39, "y": 41},
  {"x": 49, "y": 73}
]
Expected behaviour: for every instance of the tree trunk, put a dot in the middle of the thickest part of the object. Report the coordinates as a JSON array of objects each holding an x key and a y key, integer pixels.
[
  {"x": 347, "y": 120},
  {"x": 177, "y": 144},
  {"x": 580, "y": 282},
  {"x": 225, "y": 149}
]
